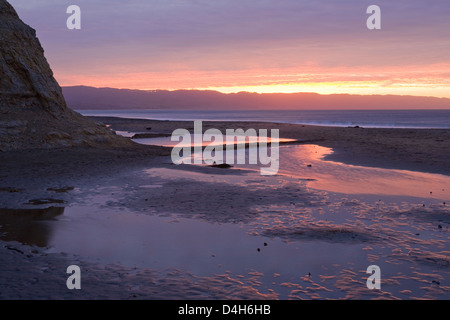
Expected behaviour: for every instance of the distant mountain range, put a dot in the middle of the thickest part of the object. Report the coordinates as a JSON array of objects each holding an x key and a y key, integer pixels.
[{"x": 84, "y": 98}]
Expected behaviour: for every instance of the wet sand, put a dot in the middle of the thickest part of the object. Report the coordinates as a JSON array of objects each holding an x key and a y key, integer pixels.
[
  {"x": 423, "y": 150},
  {"x": 298, "y": 235}
]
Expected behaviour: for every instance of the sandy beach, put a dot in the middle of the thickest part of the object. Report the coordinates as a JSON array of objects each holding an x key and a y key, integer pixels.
[
  {"x": 99, "y": 203},
  {"x": 142, "y": 228},
  {"x": 411, "y": 149}
]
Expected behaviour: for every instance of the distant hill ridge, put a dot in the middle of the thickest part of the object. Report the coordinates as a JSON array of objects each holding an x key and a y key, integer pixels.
[{"x": 83, "y": 98}]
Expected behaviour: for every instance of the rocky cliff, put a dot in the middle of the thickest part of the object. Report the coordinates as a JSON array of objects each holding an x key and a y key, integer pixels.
[{"x": 33, "y": 112}]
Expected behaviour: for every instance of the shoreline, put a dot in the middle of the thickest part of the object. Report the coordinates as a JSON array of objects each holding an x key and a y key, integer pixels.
[
  {"x": 141, "y": 180},
  {"x": 27, "y": 175},
  {"x": 422, "y": 150}
]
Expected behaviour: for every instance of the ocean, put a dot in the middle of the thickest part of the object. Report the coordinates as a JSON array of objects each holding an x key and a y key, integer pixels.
[{"x": 419, "y": 119}]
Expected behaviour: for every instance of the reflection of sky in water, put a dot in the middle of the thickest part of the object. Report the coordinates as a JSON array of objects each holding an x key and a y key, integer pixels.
[
  {"x": 28, "y": 225},
  {"x": 362, "y": 216},
  {"x": 342, "y": 178},
  {"x": 202, "y": 248}
]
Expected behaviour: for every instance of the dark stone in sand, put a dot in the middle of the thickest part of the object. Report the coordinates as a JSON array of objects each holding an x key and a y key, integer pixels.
[
  {"x": 222, "y": 166},
  {"x": 60, "y": 190},
  {"x": 149, "y": 135},
  {"x": 14, "y": 249},
  {"x": 45, "y": 201},
  {"x": 11, "y": 190}
]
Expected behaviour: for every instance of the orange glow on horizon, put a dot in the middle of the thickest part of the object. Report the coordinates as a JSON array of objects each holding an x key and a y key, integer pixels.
[
  {"x": 416, "y": 81},
  {"x": 326, "y": 88}
]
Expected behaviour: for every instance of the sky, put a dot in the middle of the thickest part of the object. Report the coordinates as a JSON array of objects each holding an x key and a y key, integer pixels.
[{"x": 248, "y": 45}]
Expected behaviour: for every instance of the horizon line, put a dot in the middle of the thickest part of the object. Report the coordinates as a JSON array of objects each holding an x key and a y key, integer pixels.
[{"x": 256, "y": 92}]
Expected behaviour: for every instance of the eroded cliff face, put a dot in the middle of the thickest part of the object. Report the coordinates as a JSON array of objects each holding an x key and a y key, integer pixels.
[{"x": 33, "y": 112}]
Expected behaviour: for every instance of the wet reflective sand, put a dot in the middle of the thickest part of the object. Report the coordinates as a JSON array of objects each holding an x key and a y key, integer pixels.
[{"x": 308, "y": 233}]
